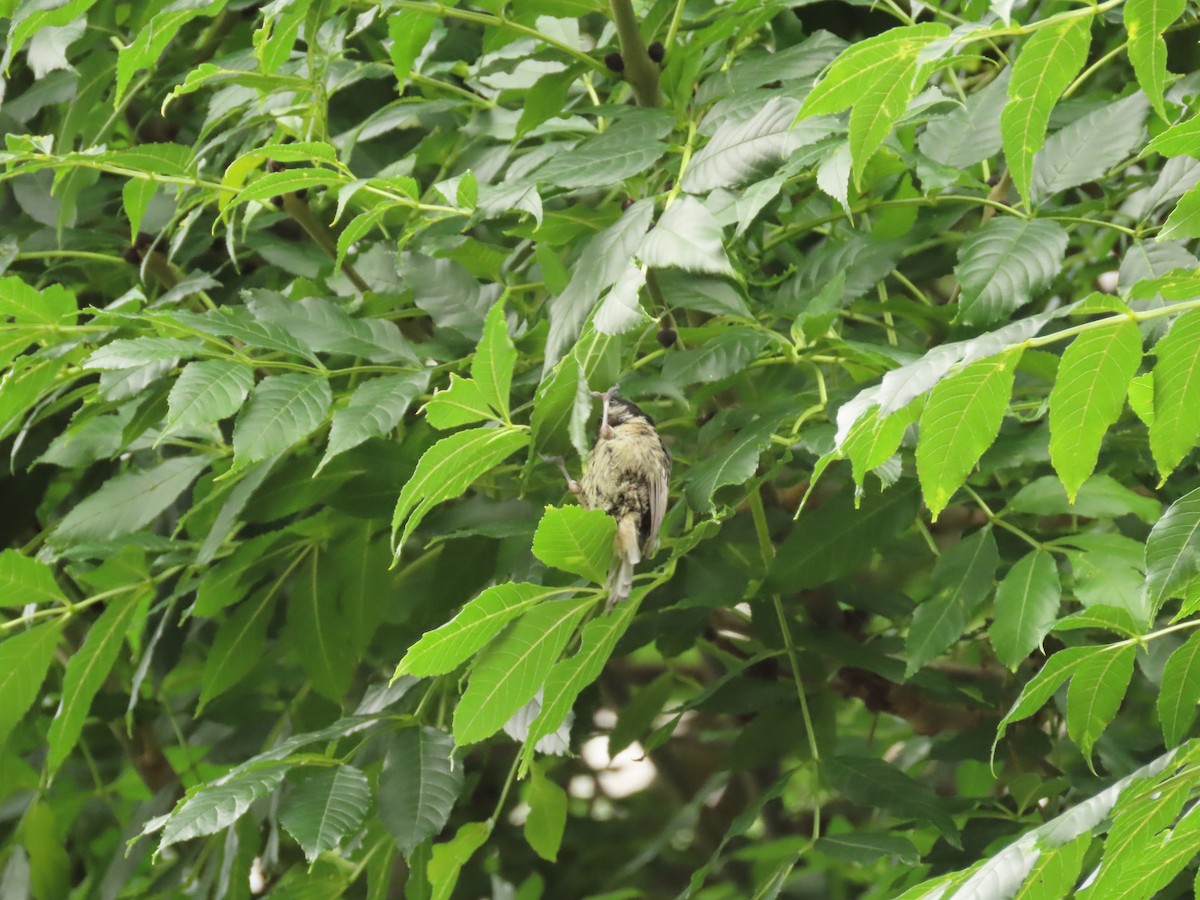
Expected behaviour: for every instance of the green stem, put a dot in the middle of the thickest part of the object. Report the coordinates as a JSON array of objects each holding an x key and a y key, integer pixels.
[{"x": 640, "y": 70}]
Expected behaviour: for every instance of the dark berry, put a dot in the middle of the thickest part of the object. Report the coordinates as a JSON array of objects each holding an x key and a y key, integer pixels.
[
  {"x": 277, "y": 201},
  {"x": 614, "y": 62},
  {"x": 144, "y": 240},
  {"x": 274, "y": 165},
  {"x": 656, "y": 51},
  {"x": 131, "y": 256},
  {"x": 667, "y": 337},
  {"x": 626, "y": 203}
]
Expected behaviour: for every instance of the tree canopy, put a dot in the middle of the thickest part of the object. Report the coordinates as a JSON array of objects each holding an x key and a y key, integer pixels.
[{"x": 298, "y": 298}]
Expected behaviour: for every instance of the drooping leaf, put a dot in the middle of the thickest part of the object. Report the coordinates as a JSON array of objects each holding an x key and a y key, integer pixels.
[
  {"x": 25, "y": 659},
  {"x": 960, "y": 421},
  {"x": 1088, "y": 396},
  {"x": 419, "y": 785},
  {"x": 1089, "y": 146},
  {"x": 495, "y": 359},
  {"x": 733, "y": 463},
  {"x": 1058, "y": 668},
  {"x": 219, "y": 804},
  {"x": 515, "y": 667},
  {"x": 324, "y": 807},
  {"x": 1176, "y": 424},
  {"x": 1173, "y": 550},
  {"x": 1180, "y": 691},
  {"x": 1095, "y": 694},
  {"x": 874, "y": 783},
  {"x": 375, "y": 408},
  {"x": 1145, "y": 22},
  {"x": 25, "y": 580},
  {"x": 447, "y": 859},
  {"x": 237, "y": 648},
  {"x": 1043, "y": 69},
  {"x": 962, "y": 580},
  {"x": 547, "y": 815}
]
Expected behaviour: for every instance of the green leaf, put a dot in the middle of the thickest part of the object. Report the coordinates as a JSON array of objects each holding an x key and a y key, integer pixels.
[
  {"x": 600, "y": 263},
  {"x": 128, "y": 354},
  {"x": 1044, "y": 68},
  {"x": 236, "y": 649},
  {"x": 86, "y": 672},
  {"x": 741, "y": 149},
  {"x": 1091, "y": 145},
  {"x": 1056, "y": 871},
  {"x": 409, "y": 30},
  {"x": 512, "y": 670},
  {"x": 447, "y": 859},
  {"x": 325, "y": 327},
  {"x": 837, "y": 538},
  {"x": 967, "y": 136},
  {"x": 1176, "y": 422},
  {"x": 219, "y": 804},
  {"x": 447, "y": 469},
  {"x": 1006, "y": 264},
  {"x": 720, "y": 357},
  {"x": 289, "y": 181},
  {"x": 878, "y": 77},
  {"x": 620, "y": 310},
  {"x": 687, "y": 237},
  {"x": 1180, "y": 691},
  {"x": 960, "y": 421},
  {"x": 1184, "y": 221},
  {"x": 875, "y": 784},
  {"x": 325, "y": 806},
  {"x": 636, "y": 717},
  {"x": 1100, "y": 497},
  {"x": 1095, "y": 694},
  {"x": 864, "y": 848},
  {"x": 460, "y": 404},
  {"x": 1088, "y": 396},
  {"x": 961, "y": 581},
  {"x": 495, "y": 359},
  {"x": 24, "y": 580},
  {"x": 237, "y": 323},
  {"x": 1027, "y": 603},
  {"x": 128, "y": 502},
  {"x": 576, "y": 540},
  {"x": 1181, "y": 139},
  {"x": 207, "y": 392},
  {"x": 734, "y": 463},
  {"x": 282, "y": 411},
  {"x": 418, "y": 786},
  {"x": 609, "y": 158},
  {"x": 1041, "y": 687},
  {"x": 570, "y": 676},
  {"x": 152, "y": 39},
  {"x": 376, "y": 407},
  {"x": 53, "y": 306},
  {"x": 1173, "y": 551},
  {"x": 872, "y": 442},
  {"x": 1145, "y": 22},
  {"x": 547, "y": 815},
  {"x": 1141, "y": 397},
  {"x": 317, "y": 631},
  {"x": 241, "y": 168},
  {"x": 25, "y": 659}
]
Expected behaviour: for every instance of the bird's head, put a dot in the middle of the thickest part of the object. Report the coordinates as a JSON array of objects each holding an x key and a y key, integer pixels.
[{"x": 622, "y": 412}]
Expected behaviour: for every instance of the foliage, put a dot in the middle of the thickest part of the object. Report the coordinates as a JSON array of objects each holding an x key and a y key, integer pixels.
[{"x": 296, "y": 297}]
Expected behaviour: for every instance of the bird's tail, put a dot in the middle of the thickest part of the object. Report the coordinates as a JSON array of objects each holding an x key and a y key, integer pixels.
[{"x": 629, "y": 554}]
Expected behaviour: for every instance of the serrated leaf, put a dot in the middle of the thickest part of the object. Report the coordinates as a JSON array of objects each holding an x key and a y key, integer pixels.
[
  {"x": 1027, "y": 601},
  {"x": 576, "y": 540},
  {"x": 864, "y": 848},
  {"x": 687, "y": 237},
  {"x": 960, "y": 421},
  {"x": 409, "y": 30},
  {"x": 25, "y": 580},
  {"x": 620, "y": 311},
  {"x": 515, "y": 667},
  {"x": 1145, "y": 22},
  {"x": 208, "y": 391},
  {"x": 1044, "y": 68},
  {"x": 240, "y": 169},
  {"x": 1089, "y": 146},
  {"x": 447, "y": 859},
  {"x": 875, "y": 784},
  {"x": 460, "y": 404},
  {"x": 419, "y": 784},
  {"x": 1184, "y": 221},
  {"x": 967, "y": 136},
  {"x": 734, "y": 463},
  {"x": 289, "y": 181},
  {"x": 878, "y": 77},
  {"x": 447, "y": 469},
  {"x": 607, "y": 159},
  {"x": 495, "y": 359},
  {"x": 54, "y": 305},
  {"x": 740, "y": 149},
  {"x": 1095, "y": 694},
  {"x": 872, "y": 442},
  {"x": 324, "y": 807},
  {"x": 1173, "y": 550},
  {"x": 601, "y": 261},
  {"x": 1056, "y": 871},
  {"x": 25, "y": 659},
  {"x": 86, "y": 672},
  {"x": 282, "y": 411},
  {"x": 324, "y": 327},
  {"x": 316, "y": 628},
  {"x": 152, "y": 39},
  {"x": 128, "y": 502},
  {"x": 128, "y": 354},
  {"x": 962, "y": 580},
  {"x": 726, "y": 354},
  {"x": 1041, "y": 687},
  {"x": 547, "y": 815},
  {"x": 1176, "y": 424},
  {"x": 218, "y": 805},
  {"x": 1088, "y": 397},
  {"x": 375, "y": 408},
  {"x": 237, "y": 323},
  {"x": 1180, "y": 691},
  {"x": 1181, "y": 139},
  {"x": 443, "y": 649},
  {"x": 1005, "y": 264}
]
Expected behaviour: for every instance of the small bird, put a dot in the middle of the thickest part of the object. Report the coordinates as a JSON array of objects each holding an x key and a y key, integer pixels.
[{"x": 626, "y": 475}]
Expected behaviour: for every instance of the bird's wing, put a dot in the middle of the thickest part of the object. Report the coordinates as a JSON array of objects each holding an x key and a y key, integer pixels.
[{"x": 659, "y": 487}]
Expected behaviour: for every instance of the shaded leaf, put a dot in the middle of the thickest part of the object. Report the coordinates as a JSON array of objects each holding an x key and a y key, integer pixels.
[
  {"x": 418, "y": 786},
  {"x": 324, "y": 807}
]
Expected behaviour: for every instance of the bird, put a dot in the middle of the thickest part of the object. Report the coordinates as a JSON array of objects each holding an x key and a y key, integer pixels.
[{"x": 626, "y": 475}]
